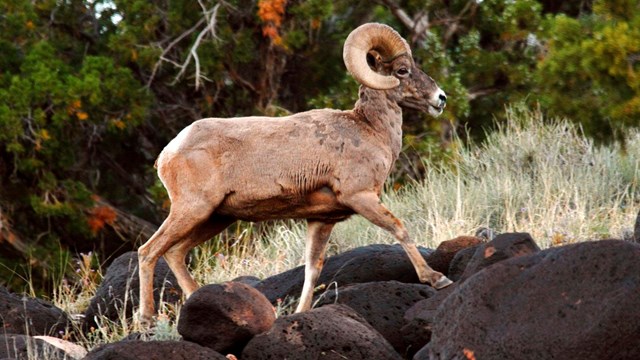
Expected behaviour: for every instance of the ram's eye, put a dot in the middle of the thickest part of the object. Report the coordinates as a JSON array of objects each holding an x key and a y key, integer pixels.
[{"x": 402, "y": 72}]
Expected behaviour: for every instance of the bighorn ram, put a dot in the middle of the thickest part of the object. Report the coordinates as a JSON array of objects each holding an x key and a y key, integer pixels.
[{"x": 320, "y": 165}]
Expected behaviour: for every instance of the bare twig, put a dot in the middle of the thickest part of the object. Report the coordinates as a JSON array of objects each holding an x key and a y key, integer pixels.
[
  {"x": 240, "y": 80},
  {"x": 209, "y": 17},
  {"x": 7, "y": 235},
  {"x": 162, "y": 57},
  {"x": 474, "y": 94},
  {"x": 401, "y": 14},
  {"x": 418, "y": 24},
  {"x": 193, "y": 53}
]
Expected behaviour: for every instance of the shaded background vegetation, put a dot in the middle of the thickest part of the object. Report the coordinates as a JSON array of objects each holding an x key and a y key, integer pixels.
[{"x": 91, "y": 91}]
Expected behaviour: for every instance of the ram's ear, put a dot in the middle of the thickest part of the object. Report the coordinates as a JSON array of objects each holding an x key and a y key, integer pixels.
[{"x": 374, "y": 59}]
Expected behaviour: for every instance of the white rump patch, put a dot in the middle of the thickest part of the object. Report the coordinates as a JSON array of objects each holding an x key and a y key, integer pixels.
[{"x": 175, "y": 144}]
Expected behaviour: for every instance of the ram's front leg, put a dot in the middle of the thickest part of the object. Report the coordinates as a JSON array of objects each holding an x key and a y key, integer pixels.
[{"x": 368, "y": 205}]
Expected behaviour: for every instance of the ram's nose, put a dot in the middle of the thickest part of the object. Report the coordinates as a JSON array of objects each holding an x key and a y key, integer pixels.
[{"x": 442, "y": 99}]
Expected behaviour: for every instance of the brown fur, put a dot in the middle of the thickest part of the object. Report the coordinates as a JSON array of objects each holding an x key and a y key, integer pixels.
[{"x": 320, "y": 165}]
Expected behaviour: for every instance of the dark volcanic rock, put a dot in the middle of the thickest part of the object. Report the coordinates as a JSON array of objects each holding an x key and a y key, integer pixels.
[
  {"x": 383, "y": 305},
  {"x": 440, "y": 259},
  {"x": 330, "y": 332},
  {"x": 578, "y": 301},
  {"x": 122, "y": 281},
  {"x": 42, "y": 317},
  {"x": 466, "y": 262},
  {"x": 636, "y": 229},
  {"x": 247, "y": 279},
  {"x": 360, "y": 265},
  {"x": 503, "y": 247},
  {"x": 419, "y": 319},
  {"x": 459, "y": 262},
  {"x": 153, "y": 350},
  {"x": 224, "y": 317}
]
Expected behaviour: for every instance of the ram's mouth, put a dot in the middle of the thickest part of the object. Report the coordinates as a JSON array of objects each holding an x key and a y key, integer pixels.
[
  {"x": 435, "y": 110},
  {"x": 422, "y": 106}
]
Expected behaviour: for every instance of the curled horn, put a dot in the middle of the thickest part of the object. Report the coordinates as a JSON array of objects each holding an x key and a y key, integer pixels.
[{"x": 381, "y": 38}]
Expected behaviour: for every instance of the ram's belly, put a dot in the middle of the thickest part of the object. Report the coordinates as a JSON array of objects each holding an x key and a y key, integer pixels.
[{"x": 320, "y": 204}]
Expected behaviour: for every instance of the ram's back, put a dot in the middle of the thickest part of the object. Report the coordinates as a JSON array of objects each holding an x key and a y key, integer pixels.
[{"x": 289, "y": 167}]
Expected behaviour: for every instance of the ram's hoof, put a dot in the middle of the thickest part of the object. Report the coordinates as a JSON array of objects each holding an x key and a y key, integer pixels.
[
  {"x": 442, "y": 283},
  {"x": 145, "y": 322}
]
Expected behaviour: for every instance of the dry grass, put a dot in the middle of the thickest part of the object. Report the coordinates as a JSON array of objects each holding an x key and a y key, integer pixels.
[{"x": 532, "y": 175}]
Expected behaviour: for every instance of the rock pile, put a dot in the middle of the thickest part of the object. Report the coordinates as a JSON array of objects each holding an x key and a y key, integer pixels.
[{"x": 511, "y": 300}]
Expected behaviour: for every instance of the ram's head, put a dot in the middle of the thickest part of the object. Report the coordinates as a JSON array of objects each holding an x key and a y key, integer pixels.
[{"x": 379, "y": 58}]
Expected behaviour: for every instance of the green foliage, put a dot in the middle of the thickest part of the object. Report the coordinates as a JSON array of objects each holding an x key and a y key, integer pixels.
[
  {"x": 91, "y": 91},
  {"x": 491, "y": 59},
  {"x": 590, "y": 71},
  {"x": 50, "y": 116},
  {"x": 59, "y": 108}
]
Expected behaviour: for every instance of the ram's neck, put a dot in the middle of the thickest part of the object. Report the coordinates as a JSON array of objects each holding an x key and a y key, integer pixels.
[{"x": 379, "y": 109}]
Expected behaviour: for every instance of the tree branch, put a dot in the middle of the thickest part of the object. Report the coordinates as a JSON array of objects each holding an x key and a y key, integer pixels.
[
  {"x": 474, "y": 94},
  {"x": 126, "y": 226},
  {"x": 163, "y": 58},
  {"x": 209, "y": 17},
  {"x": 9, "y": 236},
  {"x": 239, "y": 79},
  {"x": 418, "y": 24},
  {"x": 400, "y": 13}
]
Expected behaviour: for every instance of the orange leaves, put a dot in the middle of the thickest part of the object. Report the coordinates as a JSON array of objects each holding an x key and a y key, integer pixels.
[
  {"x": 119, "y": 124},
  {"x": 271, "y": 13},
  {"x": 81, "y": 115},
  {"x": 41, "y": 136},
  {"x": 75, "y": 108},
  {"x": 100, "y": 216},
  {"x": 271, "y": 32},
  {"x": 44, "y": 134}
]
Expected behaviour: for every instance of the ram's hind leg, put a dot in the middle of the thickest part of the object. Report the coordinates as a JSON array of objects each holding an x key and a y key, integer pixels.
[
  {"x": 183, "y": 220},
  {"x": 176, "y": 255},
  {"x": 368, "y": 205}
]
